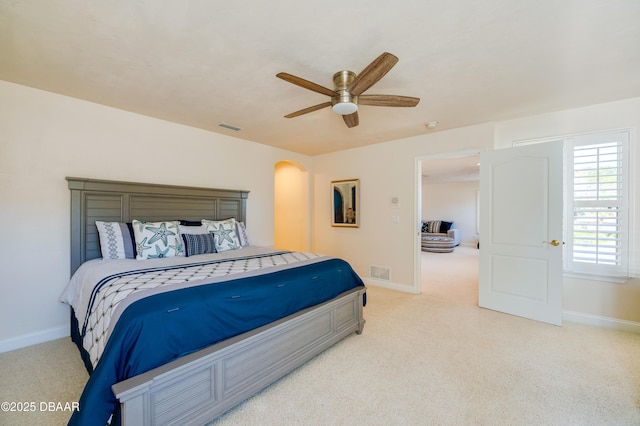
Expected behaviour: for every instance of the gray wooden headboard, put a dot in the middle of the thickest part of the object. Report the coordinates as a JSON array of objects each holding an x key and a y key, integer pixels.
[{"x": 115, "y": 201}]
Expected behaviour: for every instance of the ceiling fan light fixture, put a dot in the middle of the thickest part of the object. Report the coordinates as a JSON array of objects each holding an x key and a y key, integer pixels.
[
  {"x": 345, "y": 108},
  {"x": 344, "y": 103}
]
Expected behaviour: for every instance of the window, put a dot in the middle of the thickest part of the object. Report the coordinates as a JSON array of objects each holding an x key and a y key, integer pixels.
[{"x": 597, "y": 196}]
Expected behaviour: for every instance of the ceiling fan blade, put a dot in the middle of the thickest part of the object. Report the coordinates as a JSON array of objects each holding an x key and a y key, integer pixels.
[
  {"x": 309, "y": 109},
  {"x": 388, "y": 100},
  {"x": 372, "y": 73},
  {"x": 351, "y": 120},
  {"x": 305, "y": 84}
]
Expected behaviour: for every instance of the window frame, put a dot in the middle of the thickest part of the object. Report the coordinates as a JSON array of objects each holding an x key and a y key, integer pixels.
[{"x": 620, "y": 270}]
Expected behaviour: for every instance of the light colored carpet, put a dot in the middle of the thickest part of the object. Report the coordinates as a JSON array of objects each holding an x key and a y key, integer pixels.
[
  {"x": 434, "y": 358},
  {"x": 48, "y": 372}
]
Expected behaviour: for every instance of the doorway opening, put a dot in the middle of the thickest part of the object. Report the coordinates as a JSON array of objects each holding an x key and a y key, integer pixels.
[{"x": 448, "y": 190}]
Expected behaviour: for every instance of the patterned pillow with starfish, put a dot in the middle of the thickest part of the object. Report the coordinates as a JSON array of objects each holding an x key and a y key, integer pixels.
[
  {"x": 224, "y": 232},
  {"x": 156, "y": 240}
]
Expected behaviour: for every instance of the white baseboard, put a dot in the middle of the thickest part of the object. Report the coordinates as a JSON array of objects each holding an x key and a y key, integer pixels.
[
  {"x": 613, "y": 323},
  {"x": 34, "y": 338},
  {"x": 390, "y": 285}
]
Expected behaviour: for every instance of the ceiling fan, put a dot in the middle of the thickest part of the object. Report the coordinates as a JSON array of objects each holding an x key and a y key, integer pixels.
[{"x": 349, "y": 89}]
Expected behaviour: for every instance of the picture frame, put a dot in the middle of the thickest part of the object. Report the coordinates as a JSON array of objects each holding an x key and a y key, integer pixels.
[{"x": 345, "y": 203}]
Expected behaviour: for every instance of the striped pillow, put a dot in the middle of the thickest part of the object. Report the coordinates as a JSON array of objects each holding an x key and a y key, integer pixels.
[
  {"x": 434, "y": 226},
  {"x": 199, "y": 244},
  {"x": 241, "y": 231},
  {"x": 116, "y": 240}
]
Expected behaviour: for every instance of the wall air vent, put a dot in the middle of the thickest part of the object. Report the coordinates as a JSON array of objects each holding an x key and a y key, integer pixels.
[
  {"x": 229, "y": 126},
  {"x": 380, "y": 272}
]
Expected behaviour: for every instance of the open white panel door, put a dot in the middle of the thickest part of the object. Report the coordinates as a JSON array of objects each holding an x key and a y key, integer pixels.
[{"x": 521, "y": 231}]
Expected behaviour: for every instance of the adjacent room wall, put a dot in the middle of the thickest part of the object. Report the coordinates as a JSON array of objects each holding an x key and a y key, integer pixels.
[
  {"x": 454, "y": 202},
  {"x": 45, "y": 137}
]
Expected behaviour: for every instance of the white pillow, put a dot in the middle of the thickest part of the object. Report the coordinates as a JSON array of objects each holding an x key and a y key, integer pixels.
[
  {"x": 225, "y": 234},
  {"x": 157, "y": 239}
]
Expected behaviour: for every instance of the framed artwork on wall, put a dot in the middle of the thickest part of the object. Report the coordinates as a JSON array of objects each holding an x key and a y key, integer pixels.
[{"x": 345, "y": 203}]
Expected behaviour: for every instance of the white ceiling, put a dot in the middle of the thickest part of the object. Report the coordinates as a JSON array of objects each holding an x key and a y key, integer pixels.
[{"x": 204, "y": 62}]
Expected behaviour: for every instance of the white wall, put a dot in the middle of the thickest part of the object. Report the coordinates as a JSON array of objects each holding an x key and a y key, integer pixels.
[
  {"x": 385, "y": 170},
  {"x": 45, "y": 137},
  {"x": 454, "y": 202}
]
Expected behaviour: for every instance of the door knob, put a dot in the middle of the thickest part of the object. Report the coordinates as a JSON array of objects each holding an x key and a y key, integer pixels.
[{"x": 554, "y": 243}]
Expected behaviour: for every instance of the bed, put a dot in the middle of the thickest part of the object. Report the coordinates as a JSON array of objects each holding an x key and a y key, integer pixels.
[{"x": 175, "y": 339}]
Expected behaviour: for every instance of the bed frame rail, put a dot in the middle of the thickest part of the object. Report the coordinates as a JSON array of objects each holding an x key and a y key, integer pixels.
[{"x": 196, "y": 388}]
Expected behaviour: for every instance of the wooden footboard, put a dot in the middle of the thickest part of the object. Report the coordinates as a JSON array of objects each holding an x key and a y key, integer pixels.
[{"x": 198, "y": 387}]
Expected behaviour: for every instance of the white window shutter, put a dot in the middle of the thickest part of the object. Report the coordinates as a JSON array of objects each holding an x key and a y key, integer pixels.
[{"x": 598, "y": 204}]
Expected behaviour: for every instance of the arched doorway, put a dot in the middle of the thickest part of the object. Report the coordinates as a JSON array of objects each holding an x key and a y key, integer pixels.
[{"x": 291, "y": 207}]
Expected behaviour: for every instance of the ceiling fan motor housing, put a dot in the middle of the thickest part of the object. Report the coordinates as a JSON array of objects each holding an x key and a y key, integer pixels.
[{"x": 344, "y": 103}]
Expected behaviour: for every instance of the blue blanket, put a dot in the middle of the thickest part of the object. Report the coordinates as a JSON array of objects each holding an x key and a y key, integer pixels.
[{"x": 160, "y": 328}]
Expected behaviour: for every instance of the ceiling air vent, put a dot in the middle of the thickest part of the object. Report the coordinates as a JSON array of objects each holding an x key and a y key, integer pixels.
[{"x": 229, "y": 126}]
